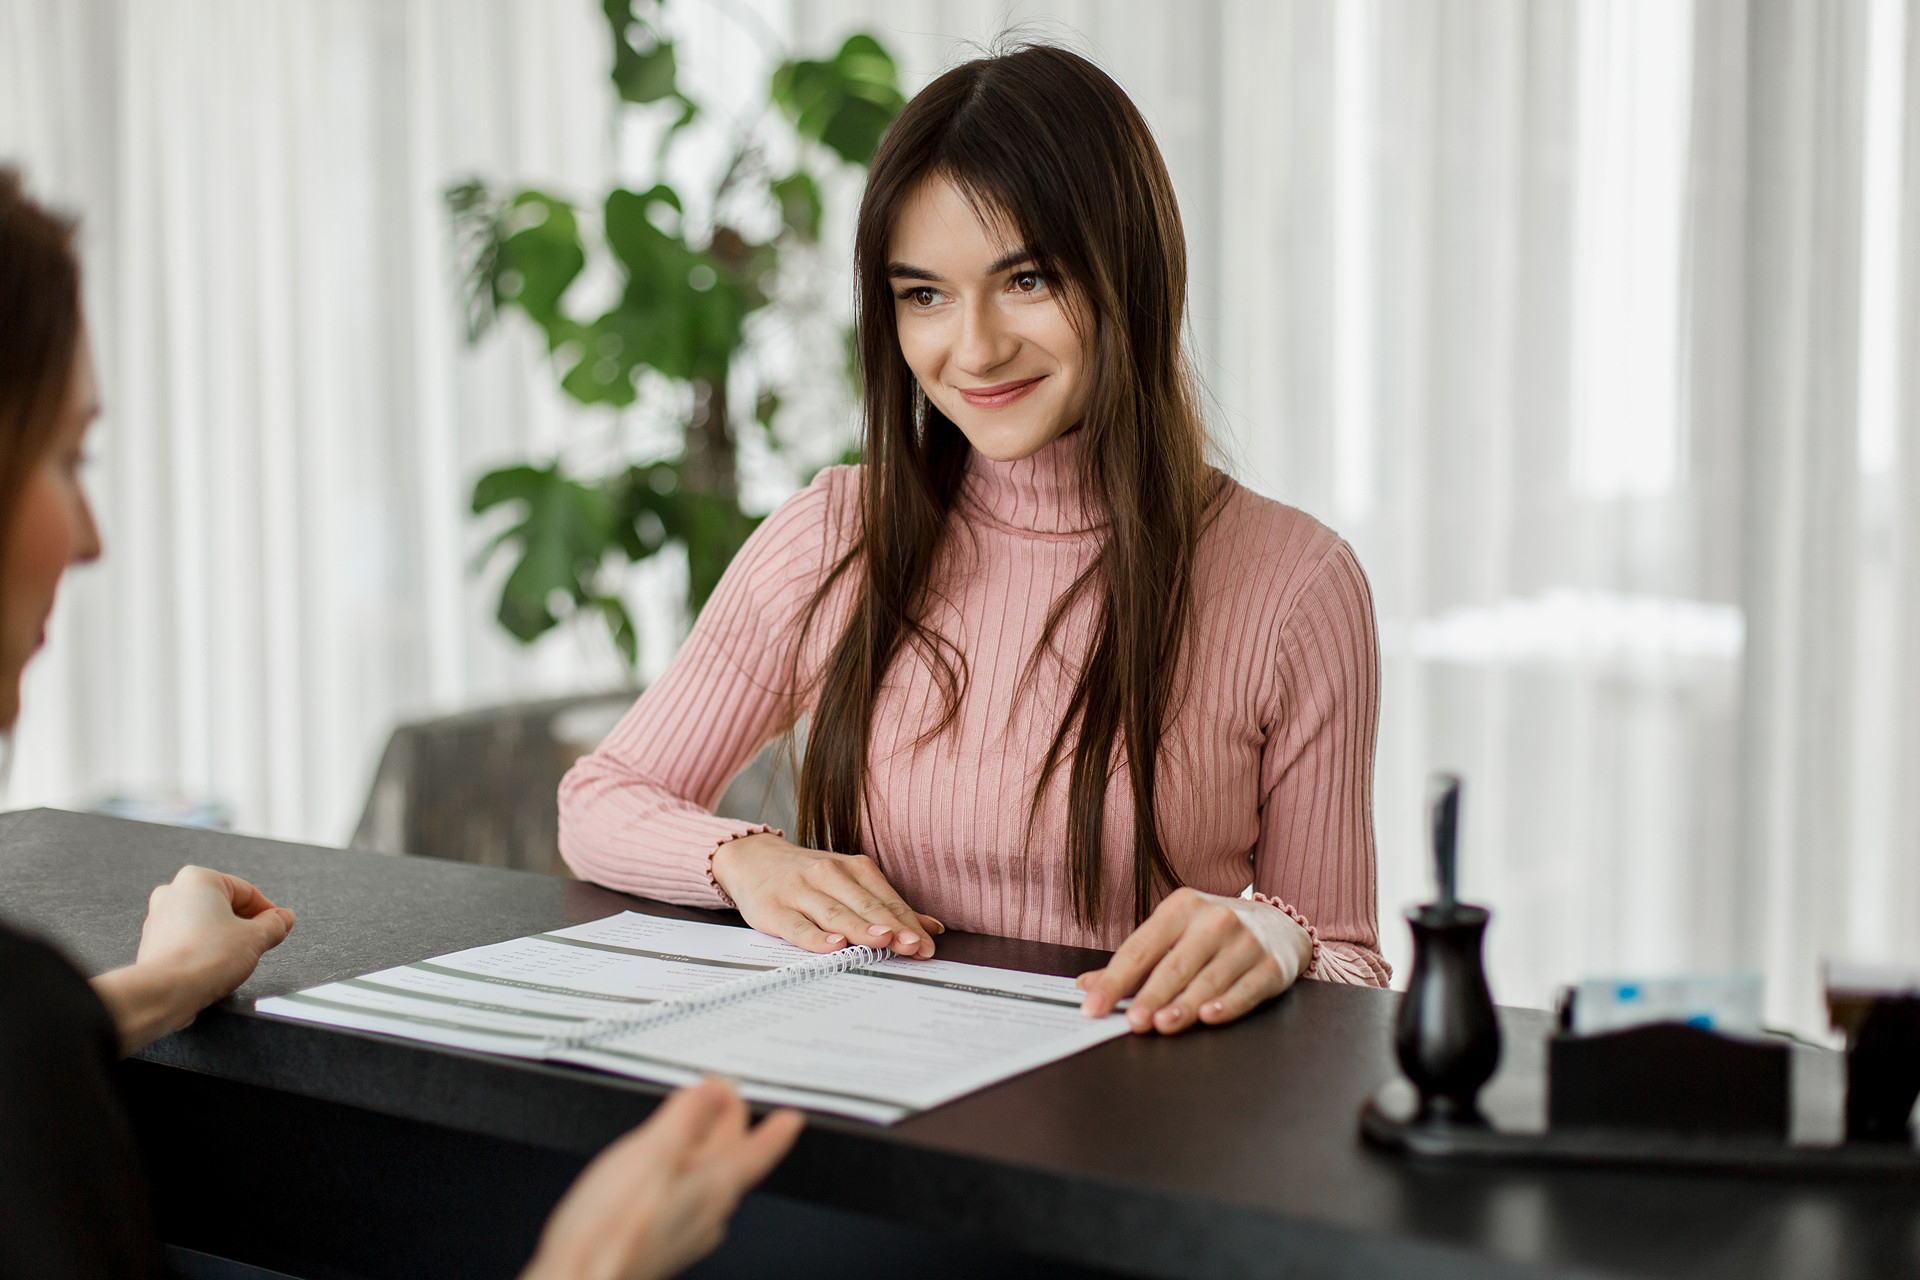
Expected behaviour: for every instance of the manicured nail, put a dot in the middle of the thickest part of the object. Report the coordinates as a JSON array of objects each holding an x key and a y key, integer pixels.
[
  {"x": 877, "y": 930},
  {"x": 1168, "y": 1017},
  {"x": 1216, "y": 1008},
  {"x": 836, "y": 940},
  {"x": 909, "y": 939}
]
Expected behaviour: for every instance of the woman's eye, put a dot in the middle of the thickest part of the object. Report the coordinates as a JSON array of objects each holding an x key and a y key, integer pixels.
[
  {"x": 921, "y": 297},
  {"x": 1028, "y": 282}
]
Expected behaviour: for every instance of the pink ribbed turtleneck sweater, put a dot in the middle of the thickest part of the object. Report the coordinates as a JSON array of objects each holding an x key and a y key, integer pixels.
[{"x": 1266, "y": 775}]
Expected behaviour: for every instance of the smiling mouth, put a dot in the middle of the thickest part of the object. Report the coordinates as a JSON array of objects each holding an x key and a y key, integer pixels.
[{"x": 998, "y": 397}]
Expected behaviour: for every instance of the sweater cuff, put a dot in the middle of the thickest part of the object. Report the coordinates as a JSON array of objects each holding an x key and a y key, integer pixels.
[
  {"x": 1313, "y": 935},
  {"x": 757, "y": 829}
]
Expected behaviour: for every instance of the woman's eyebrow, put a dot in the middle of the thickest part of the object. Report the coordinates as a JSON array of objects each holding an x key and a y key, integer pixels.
[
  {"x": 907, "y": 271},
  {"x": 1022, "y": 257}
]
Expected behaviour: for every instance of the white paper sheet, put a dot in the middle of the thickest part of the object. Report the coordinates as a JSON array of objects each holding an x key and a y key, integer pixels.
[{"x": 878, "y": 1043}]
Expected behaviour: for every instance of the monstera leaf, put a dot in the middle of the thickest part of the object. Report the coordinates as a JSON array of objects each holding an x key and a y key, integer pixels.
[
  {"x": 562, "y": 536},
  {"x": 846, "y": 102},
  {"x": 539, "y": 260},
  {"x": 645, "y": 69}
]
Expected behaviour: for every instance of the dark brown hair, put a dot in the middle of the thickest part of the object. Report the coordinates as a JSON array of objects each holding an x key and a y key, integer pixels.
[
  {"x": 1043, "y": 142},
  {"x": 40, "y": 323}
]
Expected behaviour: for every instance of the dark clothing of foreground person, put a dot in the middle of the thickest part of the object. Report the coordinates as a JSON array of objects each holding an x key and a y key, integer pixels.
[{"x": 74, "y": 1203}]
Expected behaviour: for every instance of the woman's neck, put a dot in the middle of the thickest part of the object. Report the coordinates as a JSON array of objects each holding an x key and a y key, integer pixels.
[{"x": 1043, "y": 492}]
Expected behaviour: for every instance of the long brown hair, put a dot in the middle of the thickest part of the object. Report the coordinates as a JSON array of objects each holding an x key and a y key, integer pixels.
[
  {"x": 40, "y": 321},
  {"x": 1044, "y": 142}
]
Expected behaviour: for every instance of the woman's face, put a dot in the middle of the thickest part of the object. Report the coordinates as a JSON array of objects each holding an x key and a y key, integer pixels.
[
  {"x": 52, "y": 529},
  {"x": 989, "y": 338}
]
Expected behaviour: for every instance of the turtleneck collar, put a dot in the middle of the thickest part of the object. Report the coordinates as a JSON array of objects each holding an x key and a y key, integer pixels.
[{"x": 1038, "y": 494}]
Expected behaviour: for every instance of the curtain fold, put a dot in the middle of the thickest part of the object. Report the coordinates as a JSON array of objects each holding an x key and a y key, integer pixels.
[{"x": 1801, "y": 460}]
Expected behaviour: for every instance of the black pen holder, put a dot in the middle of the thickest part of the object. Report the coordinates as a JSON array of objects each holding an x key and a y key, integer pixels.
[
  {"x": 1447, "y": 1036},
  {"x": 1670, "y": 1078}
]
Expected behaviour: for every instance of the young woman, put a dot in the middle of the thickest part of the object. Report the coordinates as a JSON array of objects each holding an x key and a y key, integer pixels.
[
  {"x": 1062, "y": 679},
  {"x": 72, "y": 1201}
]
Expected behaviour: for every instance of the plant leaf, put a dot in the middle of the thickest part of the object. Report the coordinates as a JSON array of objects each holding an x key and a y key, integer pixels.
[
  {"x": 683, "y": 309},
  {"x": 540, "y": 260},
  {"x": 473, "y": 221},
  {"x": 845, "y": 102},
  {"x": 644, "y": 67},
  {"x": 613, "y": 611},
  {"x": 564, "y": 534},
  {"x": 800, "y": 204}
]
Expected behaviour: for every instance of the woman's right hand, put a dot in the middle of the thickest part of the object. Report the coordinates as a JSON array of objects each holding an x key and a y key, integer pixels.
[
  {"x": 203, "y": 935},
  {"x": 818, "y": 900},
  {"x": 658, "y": 1199}
]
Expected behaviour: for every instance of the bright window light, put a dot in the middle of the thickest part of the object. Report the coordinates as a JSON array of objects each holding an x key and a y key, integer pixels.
[
  {"x": 1630, "y": 199},
  {"x": 1354, "y": 300},
  {"x": 1880, "y": 234},
  {"x": 1566, "y": 625}
]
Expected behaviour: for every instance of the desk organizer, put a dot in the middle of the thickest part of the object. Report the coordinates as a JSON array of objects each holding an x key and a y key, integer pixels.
[
  {"x": 1669, "y": 1078},
  {"x": 1669, "y": 1096}
]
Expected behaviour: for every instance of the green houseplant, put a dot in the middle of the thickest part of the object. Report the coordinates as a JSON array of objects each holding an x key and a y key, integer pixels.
[{"x": 685, "y": 296}]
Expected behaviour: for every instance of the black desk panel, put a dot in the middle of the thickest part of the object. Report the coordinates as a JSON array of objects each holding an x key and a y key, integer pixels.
[{"x": 1225, "y": 1152}]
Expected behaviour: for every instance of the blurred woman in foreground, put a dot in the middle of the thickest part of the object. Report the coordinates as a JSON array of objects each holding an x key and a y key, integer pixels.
[{"x": 72, "y": 1199}]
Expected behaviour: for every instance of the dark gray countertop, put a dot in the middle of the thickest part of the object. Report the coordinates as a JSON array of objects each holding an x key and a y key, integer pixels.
[{"x": 1225, "y": 1152}]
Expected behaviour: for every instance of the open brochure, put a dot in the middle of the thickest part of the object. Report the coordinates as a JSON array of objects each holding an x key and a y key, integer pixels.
[{"x": 857, "y": 1032}]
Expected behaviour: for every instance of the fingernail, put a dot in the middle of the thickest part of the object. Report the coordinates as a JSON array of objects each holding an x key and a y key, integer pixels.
[
  {"x": 836, "y": 940},
  {"x": 1216, "y": 1008},
  {"x": 1168, "y": 1017},
  {"x": 877, "y": 930},
  {"x": 909, "y": 939}
]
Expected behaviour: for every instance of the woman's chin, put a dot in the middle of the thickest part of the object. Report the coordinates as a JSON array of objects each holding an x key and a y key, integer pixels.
[
  {"x": 12, "y": 667},
  {"x": 1010, "y": 442}
]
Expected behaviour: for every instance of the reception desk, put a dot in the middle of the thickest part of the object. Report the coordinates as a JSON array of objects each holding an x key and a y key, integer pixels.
[{"x": 279, "y": 1148}]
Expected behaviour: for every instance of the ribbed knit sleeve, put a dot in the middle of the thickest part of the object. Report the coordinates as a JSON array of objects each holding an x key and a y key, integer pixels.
[
  {"x": 1315, "y": 850},
  {"x": 637, "y": 814}
]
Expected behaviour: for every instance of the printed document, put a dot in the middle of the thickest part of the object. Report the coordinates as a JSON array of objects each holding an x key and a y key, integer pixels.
[{"x": 857, "y": 1033}]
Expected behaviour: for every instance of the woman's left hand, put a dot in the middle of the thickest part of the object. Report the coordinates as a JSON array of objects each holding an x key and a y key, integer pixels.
[{"x": 1199, "y": 958}]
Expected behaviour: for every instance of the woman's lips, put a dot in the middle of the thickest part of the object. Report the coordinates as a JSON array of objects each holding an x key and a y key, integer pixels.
[{"x": 998, "y": 397}]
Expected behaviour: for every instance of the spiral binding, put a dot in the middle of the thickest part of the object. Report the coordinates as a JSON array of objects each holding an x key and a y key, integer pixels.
[{"x": 717, "y": 997}]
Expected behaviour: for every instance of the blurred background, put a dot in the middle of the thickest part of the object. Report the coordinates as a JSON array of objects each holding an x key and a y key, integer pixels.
[{"x": 1588, "y": 323}]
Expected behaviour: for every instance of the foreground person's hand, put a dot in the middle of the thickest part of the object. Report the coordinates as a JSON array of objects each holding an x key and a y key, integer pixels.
[
  {"x": 1199, "y": 958},
  {"x": 658, "y": 1199},
  {"x": 817, "y": 900},
  {"x": 203, "y": 935}
]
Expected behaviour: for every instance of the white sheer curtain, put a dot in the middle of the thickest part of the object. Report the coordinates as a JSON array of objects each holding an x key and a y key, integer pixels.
[
  {"x": 292, "y": 421},
  {"x": 1587, "y": 321}
]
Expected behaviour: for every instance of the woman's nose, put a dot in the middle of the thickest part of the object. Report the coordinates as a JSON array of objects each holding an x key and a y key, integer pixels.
[
  {"x": 984, "y": 344},
  {"x": 86, "y": 544}
]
